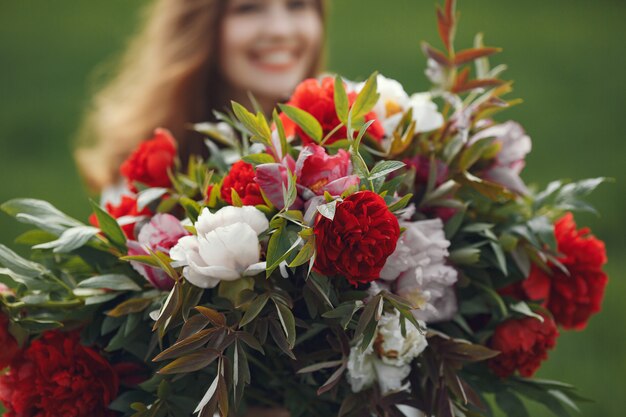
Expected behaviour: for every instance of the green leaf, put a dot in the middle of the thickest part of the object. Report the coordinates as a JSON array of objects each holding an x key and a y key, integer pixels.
[
  {"x": 500, "y": 257},
  {"x": 359, "y": 165},
  {"x": 523, "y": 308},
  {"x": 149, "y": 195},
  {"x": 328, "y": 210},
  {"x": 133, "y": 305},
  {"x": 39, "y": 325},
  {"x": 282, "y": 243},
  {"x": 287, "y": 321},
  {"x": 341, "y": 100},
  {"x": 474, "y": 152},
  {"x": 367, "y": 98},
  {"x": 192, "y": 208},
  {"x": 544, "y": 229},
  {"x": 259, "y": 158},
  {"x": 19, "y": 265},
  {"x": 369, "y": 315},
  {"x": 400, "y": 204},
  {"x": 40, "y": 213},
  {"x": 70, "y": 239},
  {"x": 305, "y": 120},
  {"x": 511, "y": 404},
  {"x": 114, "y": 282},
  {"x": 453, "y": 147},
  {"x": 259, "y": 130},
  {"x": 305, "y": 254},
  {"x": 109, "y": 226},
  {"x": 35, "y": 237},
  {"x": 318, "y": 366},
  {"x": 280, "y": 128},
  {"x": 144, "y": 259},
  {"x": 254, "y": 309},
  {"x": 383, "y": 168}
]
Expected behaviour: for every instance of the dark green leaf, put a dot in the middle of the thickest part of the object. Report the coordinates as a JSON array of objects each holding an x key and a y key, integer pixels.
[
  {"x": 254, "y": 309},
  {"x": 109, "y": 226}
]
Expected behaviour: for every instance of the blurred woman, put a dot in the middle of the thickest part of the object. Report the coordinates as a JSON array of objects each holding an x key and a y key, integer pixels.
[{"x": 193, "y": 57}]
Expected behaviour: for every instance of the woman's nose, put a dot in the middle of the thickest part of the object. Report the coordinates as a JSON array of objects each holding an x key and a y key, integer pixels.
[{"x": 279, "y": 22}]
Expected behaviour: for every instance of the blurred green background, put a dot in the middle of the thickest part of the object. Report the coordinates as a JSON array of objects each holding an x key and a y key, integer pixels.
[{"x": 566, "y": 56}]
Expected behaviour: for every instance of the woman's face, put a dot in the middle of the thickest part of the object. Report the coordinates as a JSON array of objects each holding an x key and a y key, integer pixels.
[{"x": 268, "y": 46}]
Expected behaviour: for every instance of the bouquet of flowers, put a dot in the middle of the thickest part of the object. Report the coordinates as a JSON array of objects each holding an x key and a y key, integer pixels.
[{"x": 364, "y": 252}]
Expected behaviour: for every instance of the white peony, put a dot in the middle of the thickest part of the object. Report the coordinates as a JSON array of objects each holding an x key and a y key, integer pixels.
[
  {"x": 425, "y": 113},
  {"x": 515, "y": 144},
  {"x": 388, "y": 359},
  {"x": 394, "y": 102},
  {"x": 419, "y": 271},
  {"x": 225, "y": 249}
]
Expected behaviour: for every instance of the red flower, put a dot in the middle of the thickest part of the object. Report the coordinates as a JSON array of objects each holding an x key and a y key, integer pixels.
[
  {"x": 57, "y": 376},
  {"x": 10, "y": 348},
  {"x": 523, "y": 345},
  {"x": 318, "y": 99},
  {"x": 150, "y": 162},
  {"x": 359, "y": 240},
  {"x": 572, "y": 298},
  {"x": 241, "y": 179},
  {"x": 127, "y": 207}
]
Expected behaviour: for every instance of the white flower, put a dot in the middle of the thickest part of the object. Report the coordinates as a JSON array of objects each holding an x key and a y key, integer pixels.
[
  {"x": 394, "y": 102},
  {"x": 418, "y": 267},
  {"x": 436, "y": 73},
  {"x": 225, "y": 249},
  {"x": 515, "y": 144},
  {"x": 425, "y": 113},
  {"x": 388, "y": 359}
]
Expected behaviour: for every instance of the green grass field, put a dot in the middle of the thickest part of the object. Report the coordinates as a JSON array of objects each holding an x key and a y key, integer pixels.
[{"x": 565, "y": 55}]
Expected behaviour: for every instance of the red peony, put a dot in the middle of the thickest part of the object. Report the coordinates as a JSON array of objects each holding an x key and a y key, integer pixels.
[
  {"x": 241, "y": 179},
  {"x": 57, "y": 376},
  {"x": 572, "y": 298},
  {"x": 150, "y": 162},
  {"x": 127, "y": 207},
  {"x": 359, "y": 240},
  {"x": 523, "y": 344},
  {"x": 318, "y": 99},
  {"x": 10, "y": 348}
]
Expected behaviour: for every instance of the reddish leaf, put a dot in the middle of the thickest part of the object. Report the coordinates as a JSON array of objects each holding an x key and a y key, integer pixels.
[
  {"x": 470, "y": 85},
  {"x": 435, "y": 54},
  {"x": 333, "y": 380},
  {"x": 218, "y": 319},
  {"x": 190, "y": 363},
  {"x": 468, "y": 55},
  {"x": 185, "y": 346}
]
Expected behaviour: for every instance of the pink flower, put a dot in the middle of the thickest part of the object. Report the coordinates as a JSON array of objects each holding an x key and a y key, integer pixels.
[
  {"x": 273, "y": 179},
  {"x": 514, "y": 144},
  {"x": 160, "y": 234},
  {"x": 317, "y": 172}
]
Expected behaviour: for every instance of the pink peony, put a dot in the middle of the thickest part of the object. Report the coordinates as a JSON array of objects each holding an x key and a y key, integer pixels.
[
  {"x": 159, "y": 235},
  {"x": 317, "y": 172}
]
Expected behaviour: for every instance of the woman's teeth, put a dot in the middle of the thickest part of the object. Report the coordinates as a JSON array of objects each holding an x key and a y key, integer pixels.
[{"x": 277, "y": 58}]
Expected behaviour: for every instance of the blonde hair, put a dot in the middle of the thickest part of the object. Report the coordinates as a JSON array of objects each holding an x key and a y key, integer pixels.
[{"x": 166, "y": 78}]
